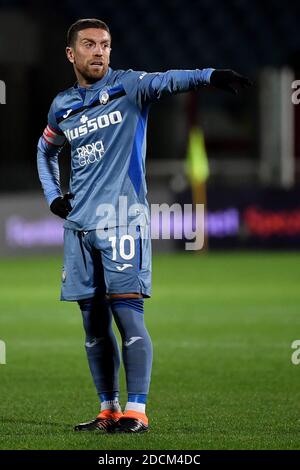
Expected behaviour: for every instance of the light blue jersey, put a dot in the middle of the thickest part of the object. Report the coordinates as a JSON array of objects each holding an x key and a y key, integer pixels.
[{"x": 105, "y": 126}]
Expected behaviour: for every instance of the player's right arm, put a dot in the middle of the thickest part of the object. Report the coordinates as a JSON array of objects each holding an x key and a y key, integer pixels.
[{"x": 49, "y": 147}]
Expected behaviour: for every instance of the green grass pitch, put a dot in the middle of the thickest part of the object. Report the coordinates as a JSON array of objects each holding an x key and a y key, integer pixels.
[{"x": 222, "y": 327}]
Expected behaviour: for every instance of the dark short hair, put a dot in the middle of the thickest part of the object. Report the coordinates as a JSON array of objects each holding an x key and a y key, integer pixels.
[{"x": 84, "y": 23}]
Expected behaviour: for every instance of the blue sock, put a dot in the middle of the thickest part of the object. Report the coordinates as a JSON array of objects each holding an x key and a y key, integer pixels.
[
  {"x": 109, "y": 396},
  {"x": 136, "y": 348},
  {"x": 110, "y": 401},
  {"x": 101, "y": 348},
  {"x": 137, "y": 398}
]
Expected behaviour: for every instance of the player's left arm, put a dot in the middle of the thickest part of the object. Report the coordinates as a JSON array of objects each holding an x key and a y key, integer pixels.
[
  {"x": 229, "y": 80},
  {"x": 146, "y": 87}
]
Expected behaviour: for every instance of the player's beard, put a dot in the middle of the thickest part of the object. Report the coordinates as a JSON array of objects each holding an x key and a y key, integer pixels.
[{"x": 92, "y": 75}]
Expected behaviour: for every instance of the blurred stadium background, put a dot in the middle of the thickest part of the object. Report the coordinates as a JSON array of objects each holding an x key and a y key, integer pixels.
[{"x": 242, "y": 296}]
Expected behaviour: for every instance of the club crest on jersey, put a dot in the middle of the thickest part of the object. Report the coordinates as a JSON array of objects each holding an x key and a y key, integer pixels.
[{"x": 104, "y": 97}]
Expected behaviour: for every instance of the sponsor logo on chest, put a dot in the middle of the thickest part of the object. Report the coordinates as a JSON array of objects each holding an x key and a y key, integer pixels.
[{"x": 91, "y": 125}]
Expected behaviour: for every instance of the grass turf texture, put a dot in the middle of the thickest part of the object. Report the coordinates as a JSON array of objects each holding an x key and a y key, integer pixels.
[{"x": 222, "y": 327}]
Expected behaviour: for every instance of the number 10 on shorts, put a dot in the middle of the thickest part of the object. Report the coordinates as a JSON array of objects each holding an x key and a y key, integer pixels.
[{"x": 126, "y": 250}]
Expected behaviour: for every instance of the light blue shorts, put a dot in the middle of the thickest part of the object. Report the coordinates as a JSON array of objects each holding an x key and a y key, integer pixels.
[{"x": 118, "y": 262}]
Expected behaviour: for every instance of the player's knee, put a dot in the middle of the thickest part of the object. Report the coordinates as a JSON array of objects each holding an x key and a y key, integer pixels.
[
  {"x": 130, "y": 304},
  {"x": 96, "y": 316},
  {"x": 95, "y": 303},
  {"x": 128, "y": 314},
  {"x": 85, "y": 304}
]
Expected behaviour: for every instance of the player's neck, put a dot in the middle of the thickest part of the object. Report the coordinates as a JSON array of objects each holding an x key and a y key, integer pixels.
[
  {"x": 86, "y": 83},
  {"x": 82, "y": 82}
]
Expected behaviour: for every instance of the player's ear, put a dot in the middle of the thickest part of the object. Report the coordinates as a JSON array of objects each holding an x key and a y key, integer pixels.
[{"x": 70, "y": 54}]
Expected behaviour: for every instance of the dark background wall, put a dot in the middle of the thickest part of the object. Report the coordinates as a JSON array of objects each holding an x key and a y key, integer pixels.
[{"x": 158, "y": 35}]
